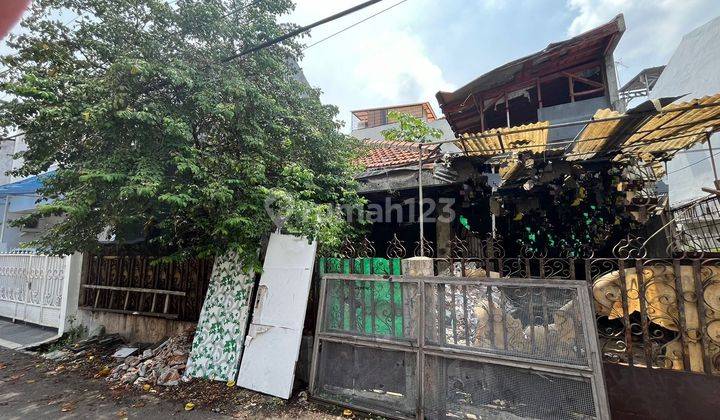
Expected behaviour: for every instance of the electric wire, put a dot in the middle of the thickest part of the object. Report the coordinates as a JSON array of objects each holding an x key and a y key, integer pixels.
[
  {"x": 355, "y": 24},
  {"x": 693, "y": 164},
  {"x": 298, "y": 31}
]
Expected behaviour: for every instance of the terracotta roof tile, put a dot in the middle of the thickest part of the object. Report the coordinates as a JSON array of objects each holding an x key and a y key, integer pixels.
[{"x": 390, "y": 154}]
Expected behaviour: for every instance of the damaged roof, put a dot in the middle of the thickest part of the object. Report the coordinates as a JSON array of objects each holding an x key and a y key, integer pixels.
[
  {"x": 556, "y": 57},
  {"x": 600, "y": 40},
  {"x": 654, "y": 130}
]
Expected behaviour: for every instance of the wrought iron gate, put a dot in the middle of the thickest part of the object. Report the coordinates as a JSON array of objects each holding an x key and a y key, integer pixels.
[
  {"x": 32, "y": 287},
  {"x": 458, "y": 347}
]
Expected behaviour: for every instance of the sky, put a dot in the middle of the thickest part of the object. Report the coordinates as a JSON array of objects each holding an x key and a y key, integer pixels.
[{"x": 419, "y": 47}]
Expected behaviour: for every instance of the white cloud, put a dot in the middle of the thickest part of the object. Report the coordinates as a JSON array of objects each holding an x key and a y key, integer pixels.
[
  {"x": 379, "y": 62},
  {"x": 654, "y": 27}
]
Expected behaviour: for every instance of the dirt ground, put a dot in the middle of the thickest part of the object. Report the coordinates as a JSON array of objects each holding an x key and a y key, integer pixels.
[{"x": 34, "y": 387}]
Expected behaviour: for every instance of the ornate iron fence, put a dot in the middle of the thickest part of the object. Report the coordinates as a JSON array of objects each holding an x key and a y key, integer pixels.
[
  {"x": 651, "y": 312},
  {"x": 33, "y": 288}
]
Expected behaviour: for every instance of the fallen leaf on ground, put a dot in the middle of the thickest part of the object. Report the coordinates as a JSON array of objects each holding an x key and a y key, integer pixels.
[
  {"x": 67, "y": 407},
  {"x": 189, "y": 406},
  {"x": 104, "y": 372},
  {"x": 347, "y": 413},
  {"x": 3, "y": 365}
]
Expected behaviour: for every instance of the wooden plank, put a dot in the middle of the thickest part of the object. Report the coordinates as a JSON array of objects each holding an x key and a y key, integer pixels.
[
  {"x": 134, "y": 289},
  {"x": 137, "y": 313}
]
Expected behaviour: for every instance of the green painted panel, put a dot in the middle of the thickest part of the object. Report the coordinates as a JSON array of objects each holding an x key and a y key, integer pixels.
[{"x": 374, "y": 308}]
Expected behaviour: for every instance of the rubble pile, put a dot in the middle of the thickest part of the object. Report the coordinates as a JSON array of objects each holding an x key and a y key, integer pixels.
[{"x": 163, "y": 365}]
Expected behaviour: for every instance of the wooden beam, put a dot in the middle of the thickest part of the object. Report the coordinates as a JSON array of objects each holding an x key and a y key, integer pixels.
[
  {"x": 589, "y": 92},
  {"x": 507, "y": 109},
  {"x": 539, "y": 93},
  {"x": 136, "y": 313},
  {"x": 584, "y": 80},
  {"x": 133, "y": 289}
]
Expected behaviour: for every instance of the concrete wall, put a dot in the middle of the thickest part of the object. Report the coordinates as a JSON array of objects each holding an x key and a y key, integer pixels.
[
  {"x": 133, "y": 328},
  {"x": 693, "y": 72},
  {"x": 570, "y": 112}
]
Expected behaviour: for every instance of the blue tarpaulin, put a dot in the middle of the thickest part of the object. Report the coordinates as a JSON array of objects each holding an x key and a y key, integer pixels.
[{"x": 25, "y": 187}]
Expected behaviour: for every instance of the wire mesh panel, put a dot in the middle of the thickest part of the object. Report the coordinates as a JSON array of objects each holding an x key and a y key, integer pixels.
[
  {"x": 470, "y": 389},
  {"x": 371, "y": 378},
  {"x": 434, "y": 347},
  {"x": 541, "y": 323}
]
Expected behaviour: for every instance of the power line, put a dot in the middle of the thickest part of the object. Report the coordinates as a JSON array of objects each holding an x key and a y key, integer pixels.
[
  {"x": 693, "y": 164},
  {"x": 355, "y": 24},
  {"x": 300, "y": 30}
]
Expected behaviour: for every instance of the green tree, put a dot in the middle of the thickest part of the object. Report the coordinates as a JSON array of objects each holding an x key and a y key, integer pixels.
[
  {"x": 155, "y": 136},
  {"x": 410, "y": 128}
]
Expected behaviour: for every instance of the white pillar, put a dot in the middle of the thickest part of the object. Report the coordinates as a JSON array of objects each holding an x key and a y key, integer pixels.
[
  {"x": 4, "y": 223},
  {"x": 70, "y": 291}
]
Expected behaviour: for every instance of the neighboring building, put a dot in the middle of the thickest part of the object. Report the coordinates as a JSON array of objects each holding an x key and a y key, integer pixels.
[
  {"x": 566, "y": 82},
  {"x": 692, "y": 73},
  {"x": 376, "y": 117},
  {"x": 18, "y": 197},
  {"x": 370, "y": 123},
  {"x": 641, "y": 85}
]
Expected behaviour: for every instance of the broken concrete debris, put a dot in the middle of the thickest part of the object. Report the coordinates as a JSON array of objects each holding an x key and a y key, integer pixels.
[
  {"x": 124, "y": 352},
  {"x": 163, "y": 365}
]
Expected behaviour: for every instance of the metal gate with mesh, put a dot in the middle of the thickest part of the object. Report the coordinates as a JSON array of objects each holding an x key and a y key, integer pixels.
[{"x": 458, "y": 347}]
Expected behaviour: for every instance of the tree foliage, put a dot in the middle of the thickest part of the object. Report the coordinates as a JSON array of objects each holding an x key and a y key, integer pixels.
[
  {"x": 155, "y": 137},
  {"x": 410, "y": 128}
]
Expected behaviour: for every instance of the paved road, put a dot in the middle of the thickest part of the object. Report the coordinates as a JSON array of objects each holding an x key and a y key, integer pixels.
[
  {"x": 29, "y": 391},
  {"x": 16, "y": 335}
]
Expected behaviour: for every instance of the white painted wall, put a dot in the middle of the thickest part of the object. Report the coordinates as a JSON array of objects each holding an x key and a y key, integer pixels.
[{"x": 692, "y": 71}]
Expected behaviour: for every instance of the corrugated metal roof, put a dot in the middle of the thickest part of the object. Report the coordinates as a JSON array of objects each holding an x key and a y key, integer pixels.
[
  {"x": 642, "y": 132},
  {"x": 676, "y": 127},
  {"x": 529, "y": 137}
]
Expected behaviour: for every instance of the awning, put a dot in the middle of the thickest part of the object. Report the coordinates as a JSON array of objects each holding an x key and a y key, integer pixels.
[
  {"x": 528, "y": 138},
  {"x": 651, "y": 131},
  {"x": 662, "y": 135},
  {"x": 28, "y": 186}
]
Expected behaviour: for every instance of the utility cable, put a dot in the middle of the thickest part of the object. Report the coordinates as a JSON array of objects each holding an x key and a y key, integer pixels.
[
  {"x": 693, "y": 164},
  {"x": 299, "y": 31},
  {"x": 355, "y": 24}
]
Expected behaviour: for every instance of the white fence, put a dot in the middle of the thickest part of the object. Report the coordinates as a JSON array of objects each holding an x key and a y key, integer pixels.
[{"x": 34, "y": 288}]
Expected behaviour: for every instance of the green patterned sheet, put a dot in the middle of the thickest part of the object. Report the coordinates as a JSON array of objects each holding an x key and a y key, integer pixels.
[{"x": 220, "y": 334}]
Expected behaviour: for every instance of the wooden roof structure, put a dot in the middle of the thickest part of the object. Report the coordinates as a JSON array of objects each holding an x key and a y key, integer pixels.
[{"x": 462, "y": 107}]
